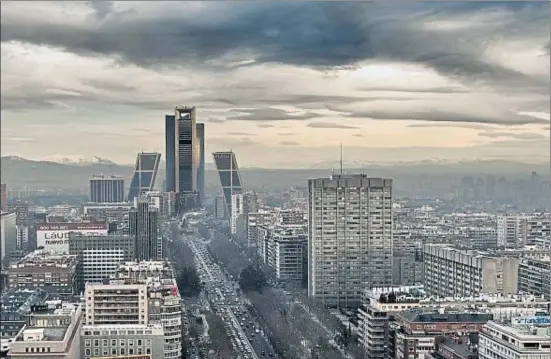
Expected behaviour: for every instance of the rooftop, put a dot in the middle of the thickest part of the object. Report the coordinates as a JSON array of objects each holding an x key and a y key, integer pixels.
[
  {"x": 21, "y": 300},
  {"x": 441, "y": 315},
  {"x": 43, "y": 258}
]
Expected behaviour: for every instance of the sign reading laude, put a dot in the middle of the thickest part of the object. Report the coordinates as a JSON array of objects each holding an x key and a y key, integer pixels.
[{"x": 55, "y": 236}]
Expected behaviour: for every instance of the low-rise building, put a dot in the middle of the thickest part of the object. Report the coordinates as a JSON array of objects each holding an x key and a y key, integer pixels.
[
  {"x": 122, "y": 341},
  {"x": 499, "y": 340},
  {"x": 50, "y": 333},
  {"x": 533, "y": 276},
  {"x": 418, "y": 328},
  {"x": 55, "y": 273},
  {"x": 15, "y": 305}
]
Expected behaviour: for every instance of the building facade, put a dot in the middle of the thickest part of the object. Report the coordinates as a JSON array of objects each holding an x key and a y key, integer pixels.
[
  {"x": 145, "y": 173},
  {"x": 107, "y": 189},
  {"x": 8, "y": 237},
  {"x": 497, "y": 340},
  {"x": 144, "y": 226},
  {"x": 350, "y": 237},
  {"x": 450, "y": 272},
  {"x": 54, "y": 273}
]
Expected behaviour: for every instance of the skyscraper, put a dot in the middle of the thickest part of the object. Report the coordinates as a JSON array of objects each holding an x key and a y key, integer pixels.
[
  {"x": 230, "y": 178},
  {"x": 201, "y": 169},
  {"x": 144, "y": 226},
  {"x": 350, "y": 237},
  {"x": 145, "y": 173},
  {"x": 3, "y": 197},
  {"x": 106, "y": 189},
  {"x": 184, "y": 144}
]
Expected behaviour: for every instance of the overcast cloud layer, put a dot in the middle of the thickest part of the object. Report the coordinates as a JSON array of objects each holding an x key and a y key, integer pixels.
[{"x": 282, "y": 84}]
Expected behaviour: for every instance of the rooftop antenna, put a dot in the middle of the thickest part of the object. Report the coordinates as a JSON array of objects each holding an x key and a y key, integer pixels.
[{"x": 341, "y": 161}]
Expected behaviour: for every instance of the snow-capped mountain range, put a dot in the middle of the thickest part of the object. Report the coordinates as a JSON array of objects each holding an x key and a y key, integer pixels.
[{"x": 79, "y": 160}]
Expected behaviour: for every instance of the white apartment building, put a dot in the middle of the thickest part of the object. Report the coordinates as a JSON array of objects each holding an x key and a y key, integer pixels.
[
  {"x": 511, "y": 230},
  {"x": 116, "y": 304},
  {"x": 122, "y": 341},
  {"x": 451, "y": 272},
  {"x": 515, "y": 342},
  {"x": 288, "y": 252},
  {"x": 349, "y": 237}
]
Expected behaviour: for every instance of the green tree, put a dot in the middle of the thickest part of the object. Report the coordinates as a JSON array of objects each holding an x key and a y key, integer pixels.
[
  {"x": 188, "y": 282},
  {"x": 252, "y": 279}
]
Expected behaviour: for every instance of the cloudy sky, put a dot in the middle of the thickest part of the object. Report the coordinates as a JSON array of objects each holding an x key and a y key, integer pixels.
[{"x": 282, "y": 84}]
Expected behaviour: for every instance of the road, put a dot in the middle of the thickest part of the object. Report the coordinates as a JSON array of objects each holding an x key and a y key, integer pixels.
[{"x": 228, "y": 302}]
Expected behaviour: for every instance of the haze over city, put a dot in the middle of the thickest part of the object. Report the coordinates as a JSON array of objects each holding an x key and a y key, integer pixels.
[{"x": 282, "y": 84}]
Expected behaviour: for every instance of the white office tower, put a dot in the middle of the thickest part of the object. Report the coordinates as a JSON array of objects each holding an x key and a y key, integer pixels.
[
  {"x": 350, "y": 237},
  {"x": 236, "y": 212},
  {"x": 511, "y": 230},
  {"x": 517, "y": 340}
]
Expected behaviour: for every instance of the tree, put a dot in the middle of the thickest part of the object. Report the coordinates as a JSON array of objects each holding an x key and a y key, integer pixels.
[
  {"x": 252, "y": 279},
  {"x": 188, "y": 282}
]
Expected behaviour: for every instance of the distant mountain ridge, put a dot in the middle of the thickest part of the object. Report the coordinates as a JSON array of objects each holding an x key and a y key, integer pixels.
[{"x": 20, "y": 173}]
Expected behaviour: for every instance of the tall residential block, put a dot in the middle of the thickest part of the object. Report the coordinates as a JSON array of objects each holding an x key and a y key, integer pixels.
[
  {"x": 350, "y": 237},
  {"x": 144, "y": 226},
  {"x": 106, "y": 189},
  {"x": 184, "y": 158},
  {"x": 147, "y": 165}
]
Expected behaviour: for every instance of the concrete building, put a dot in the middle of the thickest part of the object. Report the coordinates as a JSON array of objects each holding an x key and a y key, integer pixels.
[
  {"x": 107, "y": 189},
  {"x": 287, "y": 253},
  {"x": 122, "y": 341},
  {"x": 116, "y": 304},
  {"x": 55, "y": 273},
  {"x": 408, "y": 270},
  {"x": 498, "y": 340},
  {"x": 220, "y": 207},
  {"x": 236, "y": 214},
  {"x": 15, "y": 305},
  {"x": 511, "y": 230},
  {"x": 378, "y": 311},
  {"x": 8, "y": 237},
  {"x": 534, "y": 276},
  {"x": 141, "y": 293},
  {"x": 419, "y": 328},
  {"x": 50, "y": 333},
  {"x": 230, "y": 177},
  {"x": 449, "y": 272},
  {"x": 99, "y": 257},
  {"x": 350, "y": 237}
]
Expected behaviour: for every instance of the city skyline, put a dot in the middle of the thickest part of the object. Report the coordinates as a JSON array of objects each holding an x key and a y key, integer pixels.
[{"x": 391, "y": 82}]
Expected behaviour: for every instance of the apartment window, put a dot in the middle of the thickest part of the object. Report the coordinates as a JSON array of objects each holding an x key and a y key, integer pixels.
[
  {"x": 104, "y": 342},
  {"x": 87, "y": 351},
  {"x": 96, "y": 342},
  {"x": 113, "y": 351},
  {"x": 87, "y": 342},
  {"x": 113, "y": 342},
  {"x": 147, "y": 350}
]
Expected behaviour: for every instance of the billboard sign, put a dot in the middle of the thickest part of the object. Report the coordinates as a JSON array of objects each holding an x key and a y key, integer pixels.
[
  {"x": 54, "y": 237},
  {"x": 534, "y": 320}
]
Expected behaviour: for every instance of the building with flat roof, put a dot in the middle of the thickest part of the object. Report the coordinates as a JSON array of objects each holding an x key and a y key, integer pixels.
[
  {"x": 49, "y": 332},
  {"x": 121, "y": 341},
  {"x": 499, "y": 340},
  {"x": 451, "y": 272},
  {"x": 107, "y": 189},
  {"x": 15, "y": 305},
  {"x": 55, "y": 273}
]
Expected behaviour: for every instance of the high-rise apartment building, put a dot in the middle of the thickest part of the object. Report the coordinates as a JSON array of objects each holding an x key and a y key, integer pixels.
[
  {"x": 106, "y": 189},
  {"x": 184, "y": 160},
  {"x": 147, "y": 165},
  {"x": 3, "y": 197},
  {"x": 8, "y": 237},
  {"x": 350, "y": 237},
  {"x": 144, "y": 226}
]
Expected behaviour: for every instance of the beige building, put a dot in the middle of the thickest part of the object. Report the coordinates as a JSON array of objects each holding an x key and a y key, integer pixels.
[{"x": 450, "y": 272}]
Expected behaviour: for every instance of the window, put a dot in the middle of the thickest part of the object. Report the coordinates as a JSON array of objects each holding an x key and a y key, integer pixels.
[
  {"x": 113, "y": 342},
  {"x": 87, "y": 351},
  {"x": 104, "y": 343},
  {"x": 96, "y": 342},
  {"x": 88, "y": 343},
  {"x": 139, "y": 342}
]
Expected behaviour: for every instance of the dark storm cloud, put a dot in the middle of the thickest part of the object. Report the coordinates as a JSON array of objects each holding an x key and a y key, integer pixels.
[
  {"x": 504, "y": 119},
  {"x": 269, "y": 114},
  {"x": 101, "y": 8},
  {"x": 331, "y": 125},
  {"x": 312, "y": 34}
]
